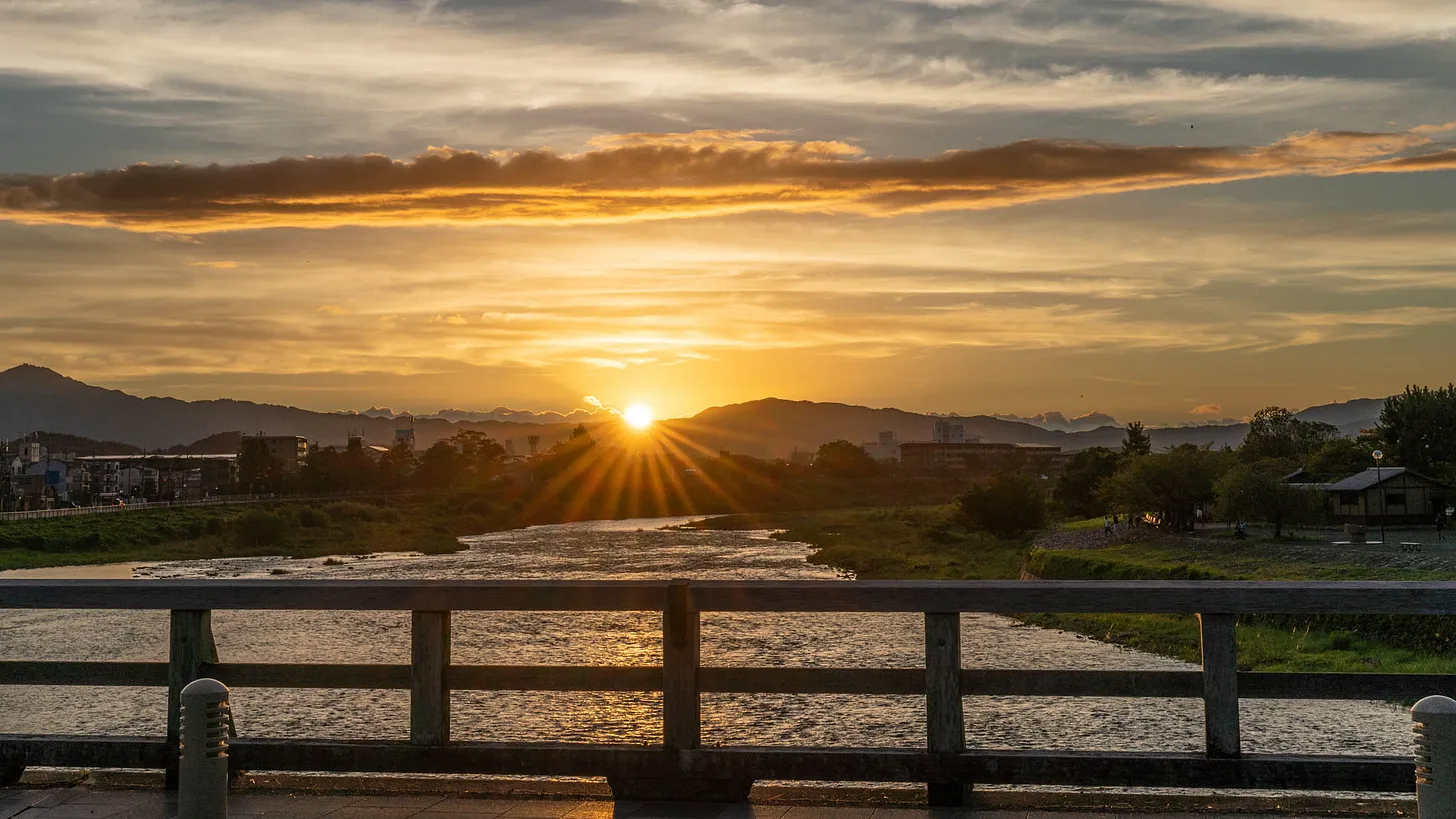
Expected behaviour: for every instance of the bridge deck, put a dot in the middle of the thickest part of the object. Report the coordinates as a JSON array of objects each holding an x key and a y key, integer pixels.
[{"x": 89, "y": 803}]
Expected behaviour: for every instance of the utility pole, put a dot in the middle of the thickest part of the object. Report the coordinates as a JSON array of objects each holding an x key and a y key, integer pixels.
[{"x": 1377, "y": 455}]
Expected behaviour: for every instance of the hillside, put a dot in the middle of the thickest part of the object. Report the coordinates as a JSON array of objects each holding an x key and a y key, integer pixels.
[
  {"x": 776, "y": 427},
  {"x": 34, "y": 398}
]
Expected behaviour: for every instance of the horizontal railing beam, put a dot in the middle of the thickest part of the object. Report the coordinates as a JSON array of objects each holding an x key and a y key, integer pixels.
[
  {"x": 309, "y": 675},
  {"x": 48, "y": 672},
  {"x": 718, "y": 679},
  {"x": 1086, "y": 768},
  {"x": 1084, "y": 596},
  {"x": 723, "y": 680},
  {"x": 553, "y": 678},
  {"x": 1005, "y": 596},
  {"x": 339, "y": 595},
  {"x": 1077, "y": 683}
]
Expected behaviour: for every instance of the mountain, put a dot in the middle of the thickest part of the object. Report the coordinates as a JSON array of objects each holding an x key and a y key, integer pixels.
[
  {"x": 774, "y": 427},
  {"x": 1349, "y": 416},
  {"x": 33, "y": 398}
]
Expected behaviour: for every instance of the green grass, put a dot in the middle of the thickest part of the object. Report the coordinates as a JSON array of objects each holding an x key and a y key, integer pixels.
[
  {"x": 913, "y": 543},
  {"x": 292, "y": 529},
  {"x": 929, "y": 543}
]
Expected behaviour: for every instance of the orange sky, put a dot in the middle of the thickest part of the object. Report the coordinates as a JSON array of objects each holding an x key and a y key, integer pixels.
[{"x": 1183, "y": 211}]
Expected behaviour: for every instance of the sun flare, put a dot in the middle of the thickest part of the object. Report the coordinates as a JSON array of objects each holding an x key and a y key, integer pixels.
[{"x": 638, "y": 416}]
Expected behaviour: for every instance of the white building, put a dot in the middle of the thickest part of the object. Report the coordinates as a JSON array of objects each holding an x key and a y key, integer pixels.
[{"x": 886, "y": 448}]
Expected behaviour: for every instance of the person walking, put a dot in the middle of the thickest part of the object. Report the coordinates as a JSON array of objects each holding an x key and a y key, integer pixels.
[{"x": 1440, "y": 525}]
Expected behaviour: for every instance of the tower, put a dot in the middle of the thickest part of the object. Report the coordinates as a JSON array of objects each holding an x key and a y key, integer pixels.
[{"x": 404, "y": 431}]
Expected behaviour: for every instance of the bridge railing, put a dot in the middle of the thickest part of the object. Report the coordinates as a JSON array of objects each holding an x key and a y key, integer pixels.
[{"x": 680, "y": 765}]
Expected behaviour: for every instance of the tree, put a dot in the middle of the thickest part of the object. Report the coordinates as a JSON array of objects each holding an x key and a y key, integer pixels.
[
  {"x": 258, "y": 470},
  {"x": 358, "y": 466},
  {"x": 1137, "y": 442},
  {"x": 396, "y": 466},
  {"x": 1274, "y": 432},
  {"x": 1006, "y": 506},
  {"x": 1169, "y": 484},
  {"x": 844, "y": 459},
  {"x": 1339, "y": 458},
  {"x": 440, "y": 466},
  {"x": 324, "y": 471},
  {"x": 1418, "y": 428},
  {"x": 480, "y": 455},
  {"x": 1258, "y": 491},
  {"x": 1077, "y": 488}
]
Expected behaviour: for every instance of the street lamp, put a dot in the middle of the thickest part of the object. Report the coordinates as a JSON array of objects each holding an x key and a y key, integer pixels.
[{"x": 1377, "y": 455}]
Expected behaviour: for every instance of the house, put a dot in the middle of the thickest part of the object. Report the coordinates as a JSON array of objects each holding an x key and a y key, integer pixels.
[{"x": 1391, "y": 494}]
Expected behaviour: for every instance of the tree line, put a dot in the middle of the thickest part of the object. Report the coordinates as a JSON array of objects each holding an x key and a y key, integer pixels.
[{"x": 1252, "y": 482}]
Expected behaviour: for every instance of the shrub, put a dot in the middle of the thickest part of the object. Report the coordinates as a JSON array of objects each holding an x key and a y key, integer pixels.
[
  {"x": 312, "y": 517},
  {"x": 1006, "y": 506},
  {"x": 214, "y": 526},
  {"x": 259, "y": 527},
  {"x": 351, "y": 510}
]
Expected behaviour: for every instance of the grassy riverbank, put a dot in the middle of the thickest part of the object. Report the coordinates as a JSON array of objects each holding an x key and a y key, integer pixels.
[
  {"x": 291, "y": 529},
  {"x": 930, "y": 543},
  {"x": 431, "y": 523}
]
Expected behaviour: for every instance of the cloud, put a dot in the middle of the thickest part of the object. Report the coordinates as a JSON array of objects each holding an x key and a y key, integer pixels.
[
  {"x": 649, "y": 176},
  {"x": 1206, "y": 409},
  {"x": 221, "y": 265}
]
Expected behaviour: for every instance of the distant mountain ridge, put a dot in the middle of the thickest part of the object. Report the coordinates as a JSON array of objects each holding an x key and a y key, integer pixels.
[{"x": 35, "y": 398}]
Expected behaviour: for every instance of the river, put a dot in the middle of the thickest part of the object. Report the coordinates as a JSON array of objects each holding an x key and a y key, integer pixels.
[{"x": 637, "y": 549}]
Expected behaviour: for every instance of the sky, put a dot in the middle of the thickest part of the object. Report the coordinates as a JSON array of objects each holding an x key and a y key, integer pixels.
[{"x": 1168, "y": 210}]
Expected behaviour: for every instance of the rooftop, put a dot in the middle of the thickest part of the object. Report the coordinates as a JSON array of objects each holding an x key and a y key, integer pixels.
[{"x": 1364, "y": 480}]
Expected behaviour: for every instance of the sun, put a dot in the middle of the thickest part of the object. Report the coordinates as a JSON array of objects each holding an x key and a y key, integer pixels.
[{"x": 638, "y": 416}]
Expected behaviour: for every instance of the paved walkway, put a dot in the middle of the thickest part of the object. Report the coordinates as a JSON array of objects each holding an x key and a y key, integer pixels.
[{"x": 89, "y": 803}]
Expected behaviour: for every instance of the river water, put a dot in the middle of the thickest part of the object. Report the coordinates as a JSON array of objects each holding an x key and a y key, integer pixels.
[{"x": 640, "y": 549}]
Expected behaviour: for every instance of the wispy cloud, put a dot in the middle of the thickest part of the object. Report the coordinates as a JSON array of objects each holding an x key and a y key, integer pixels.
[{"x": 649, "y": 176}]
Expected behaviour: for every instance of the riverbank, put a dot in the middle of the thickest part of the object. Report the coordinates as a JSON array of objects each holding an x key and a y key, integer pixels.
[
  {"x": 905, "y": 543},
  {"x": 929, "y": 543},
  {"x": 290, "y": 529}
]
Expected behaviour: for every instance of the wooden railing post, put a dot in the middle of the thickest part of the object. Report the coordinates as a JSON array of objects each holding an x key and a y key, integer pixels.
[
  {"x": 945, "y": 728},
  {"x": 1220, "y": 684},
  {"x": 190, "y": 647},
  {"x": 429, "y": 697},
  {"x": 682, "y": 635},
  {"x": 682, "y": 641}
]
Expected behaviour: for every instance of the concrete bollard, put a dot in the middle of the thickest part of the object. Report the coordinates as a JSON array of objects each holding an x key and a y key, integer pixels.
[
  {"x": 1435, "y": 727},
  {"x": 207, "y": 721}
]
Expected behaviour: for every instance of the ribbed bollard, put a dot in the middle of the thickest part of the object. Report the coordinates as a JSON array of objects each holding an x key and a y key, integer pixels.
[
  {"x": 1435, "y": 727},
  {"x": 202, "y": 781}
]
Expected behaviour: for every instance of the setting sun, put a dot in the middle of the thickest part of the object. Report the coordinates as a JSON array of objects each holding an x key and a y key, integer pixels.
[{"x": 638, "y": 416}]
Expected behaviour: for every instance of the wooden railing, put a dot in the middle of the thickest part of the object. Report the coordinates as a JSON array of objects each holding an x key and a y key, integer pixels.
[{"x": 681, "y": 767}]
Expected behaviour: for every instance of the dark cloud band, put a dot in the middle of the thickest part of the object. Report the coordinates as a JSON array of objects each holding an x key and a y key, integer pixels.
[{"x": 666, "y": 175}]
